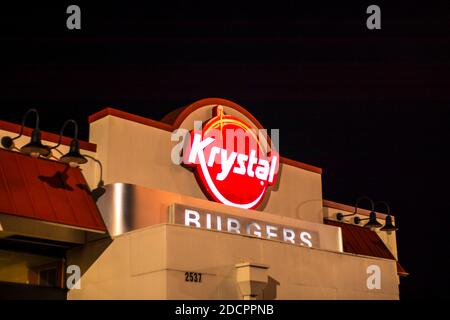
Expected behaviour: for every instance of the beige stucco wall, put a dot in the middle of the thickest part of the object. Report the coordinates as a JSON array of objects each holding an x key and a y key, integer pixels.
[
  {"x": 150, "y": 264},
  {"x": 139, "y": 154}
]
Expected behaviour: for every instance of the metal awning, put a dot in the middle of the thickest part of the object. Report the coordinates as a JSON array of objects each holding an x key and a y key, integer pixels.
[
  {"x": 36, "y": 191},
  {"x": 359, "y": 240}
]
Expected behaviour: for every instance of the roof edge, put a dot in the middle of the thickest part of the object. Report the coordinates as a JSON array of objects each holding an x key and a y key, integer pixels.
[
  {"x": 108, "y": 111},
  {"x": 47, "y": 136},
  {"x": 349, "y": 208}
]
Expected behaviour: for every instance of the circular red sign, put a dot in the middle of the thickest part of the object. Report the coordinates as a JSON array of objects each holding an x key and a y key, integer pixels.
[{"x": 231, "y": 162}]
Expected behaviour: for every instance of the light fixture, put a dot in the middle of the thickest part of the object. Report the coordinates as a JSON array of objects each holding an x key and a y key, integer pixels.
[
  {"x": 100, "y": 190},
  {"x": 34, "y": 148},
  {"x": 73, "y": 157},
  {"x": 372, "y": 224},
  {"x": 340, "y": 216},
  {"x": 388, "y": 225}
]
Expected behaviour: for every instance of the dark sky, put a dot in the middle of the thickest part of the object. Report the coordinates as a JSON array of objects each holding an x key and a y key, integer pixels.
[{"x": 369, "y": 107}]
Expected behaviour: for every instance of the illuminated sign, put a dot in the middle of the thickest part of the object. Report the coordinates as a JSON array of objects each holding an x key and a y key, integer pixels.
[
  {"x": 200, "y": 218},
  {"x": 231, "y": 161}
]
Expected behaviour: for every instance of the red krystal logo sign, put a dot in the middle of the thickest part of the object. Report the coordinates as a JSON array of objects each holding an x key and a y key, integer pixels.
[{"x": 231, "y": 160}]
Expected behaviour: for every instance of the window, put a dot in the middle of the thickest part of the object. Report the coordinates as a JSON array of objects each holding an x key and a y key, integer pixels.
[
  {"x": 33, "y": 269},
  {"x": 48, "y": 277}
]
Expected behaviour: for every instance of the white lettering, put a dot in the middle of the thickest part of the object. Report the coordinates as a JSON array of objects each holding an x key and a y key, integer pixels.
[
  {"x": 273, "y": 166},
  {"x": 233, "y": 225},
  {"x": 198, "y": 146},
  {"x": 374, "y": 280},
  {"x": 269, "y": 232},
  {"x": 175, "y": 155},
  {"x": 288, "y": 235},
  {"x": 74, "y": 20},
  {"x": 374, "y": 20},
  {"x": 262, "y": 171},
  {"x": 241, "y": 159},
  {"x": 74, "y": 280},
  {"x": 257, "y": 232},
  {"x": 201, "y": 218},
  {"x": 305, "y": 237},
  {"x": 227, "y": 163},
  {"x": 240, "y": 140},
  {"x": 208, "y": 221},
  {"x": 219, "y": 223},
  {"x": 212, "y": 156},
  {"x": 191, "y": 216},
  {"x": 240, "y": 163},
  {"x": 187, "y": 310},
  {"x": 252, "y": 161}
]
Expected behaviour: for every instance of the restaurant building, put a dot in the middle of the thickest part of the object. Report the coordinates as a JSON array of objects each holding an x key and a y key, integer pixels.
[{"x": 172, "y": 209}]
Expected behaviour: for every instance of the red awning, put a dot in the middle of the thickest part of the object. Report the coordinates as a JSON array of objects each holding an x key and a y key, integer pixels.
[
  {"x": 46, "y": 190},
  {"x": 359, "y": 240}
]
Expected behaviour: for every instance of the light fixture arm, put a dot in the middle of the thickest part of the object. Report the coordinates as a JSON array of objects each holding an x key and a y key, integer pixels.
[
  {"x": 75, "y": 135},
  {"x": 357, "y": 220},
  {"x": 100, "y": 183},
  {"x": 388, "y": 225},
  {"x": 341, "y": 216},
  {"x": 386, "y": 205},
  {"x": 364, "y": 198},
  {"x": 8, "y": 142},
  {"x": 98, "y": 192},
  {"x": 25, "y": 116}
]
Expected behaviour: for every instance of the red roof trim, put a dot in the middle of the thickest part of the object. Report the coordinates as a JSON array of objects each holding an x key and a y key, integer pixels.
[
  {"x": 128, "y": 116},
  {"x": 47, "y": 136},
  {"x": 186, "y": 111},
  {"x": 181, "y": 114}
]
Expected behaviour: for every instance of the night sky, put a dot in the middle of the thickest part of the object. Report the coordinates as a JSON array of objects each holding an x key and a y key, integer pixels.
[{"x": 370, "y": 107}]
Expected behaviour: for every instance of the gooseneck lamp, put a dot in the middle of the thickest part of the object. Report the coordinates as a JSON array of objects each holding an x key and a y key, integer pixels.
[
  {"x": 100, "y": 190},
  {"x": 340, "y": 216},
  {"x": 388, "y": 225},
  {"x": 34, "y": 148},
  {"x": 73, "y": 157},
  {"x": 372, "y": 224}
]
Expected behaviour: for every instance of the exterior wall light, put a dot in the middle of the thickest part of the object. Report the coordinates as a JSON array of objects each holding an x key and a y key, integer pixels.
[
  {"x": 372, "y": 224},
  {"x": 388, "y": 225},
  {"x": 340, "y": 216},
  {"x": 100, "y": 189},
  {"x": 34, "y": 148},
  {"x": 73, "y": 158}
]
